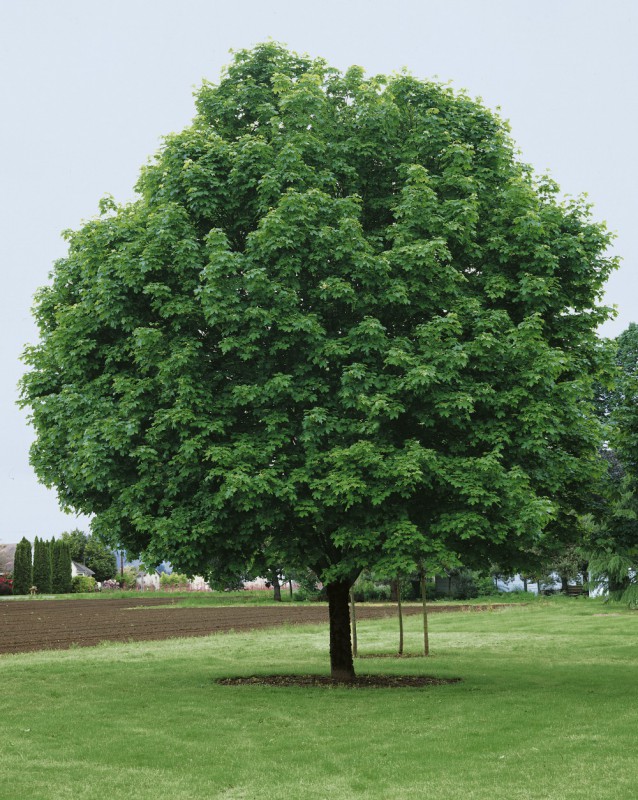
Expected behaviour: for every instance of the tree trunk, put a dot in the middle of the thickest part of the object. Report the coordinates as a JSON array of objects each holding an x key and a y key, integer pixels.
[
  {"x": 393, "y": 591},
  {"x": 276, "y": 587},
  {"x": 524, "y": 584},
  {"x": 290, "y": 584},
  {"x": 341, "y": 665},
  {"x": 426, "y": 636},
  {"x": 354, "y": 623},
  {"x": 563, "y": 584},
  {"x": 400, "y": 610}
]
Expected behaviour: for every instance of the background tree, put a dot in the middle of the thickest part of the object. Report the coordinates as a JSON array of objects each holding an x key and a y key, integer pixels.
[
  {"x": 624, "y": 404},
  {"x": 90, "y": 551},
  {"x": 22, "y": 567},
  {"x": 100, "y": 559},
  {"x": 340, "y": 310},
  {"x": 61, "y": 572},
  {"x": 76, "y": 541},
  {"x": 41, "y": 566},
  {"x": 612, "y": 545}
]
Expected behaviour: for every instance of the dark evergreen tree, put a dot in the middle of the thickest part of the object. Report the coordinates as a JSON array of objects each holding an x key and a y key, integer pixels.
[
  {"x": 50, "y": 549},
  {"x": 22, "y": 568},
  {"x": 65, "y": 570},
  {"x": 61, "y": 567},
  {"x": 41, "y": 566},
  {"x": 55, "y": 562}
]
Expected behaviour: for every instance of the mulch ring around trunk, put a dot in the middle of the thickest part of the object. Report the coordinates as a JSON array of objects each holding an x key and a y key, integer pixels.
[{"x": 358, "y": 682}]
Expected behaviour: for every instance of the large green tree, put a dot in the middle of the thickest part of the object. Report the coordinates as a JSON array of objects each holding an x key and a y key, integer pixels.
[{"x": 341, "y": 317}]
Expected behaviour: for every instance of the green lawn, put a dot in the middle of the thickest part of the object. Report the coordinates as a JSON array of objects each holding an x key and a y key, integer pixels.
[{"x": 547, "y": 709}]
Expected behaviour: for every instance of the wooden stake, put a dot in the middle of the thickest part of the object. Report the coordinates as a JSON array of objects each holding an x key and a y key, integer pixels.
[
  {"x": 400, "y": 616},
  {"x": 426, "y": 637},
  {"x": 353, "y": 617}
]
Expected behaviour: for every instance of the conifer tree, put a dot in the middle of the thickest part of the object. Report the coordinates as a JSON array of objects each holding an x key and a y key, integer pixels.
[
  {"x": 61, "y": 556},
  {"x": 65, "y": 567},
  {"x": 50, "y": 548},
  {"x": 56, "y": 577},
  {"x": 41, "y": 566},
  {"x": 22, "y": 568}
]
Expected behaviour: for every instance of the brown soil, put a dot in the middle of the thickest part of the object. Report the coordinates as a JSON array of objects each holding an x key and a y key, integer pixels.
[
  {"x": 59, "y": 624},
  {"x": 365, "y": 681}
]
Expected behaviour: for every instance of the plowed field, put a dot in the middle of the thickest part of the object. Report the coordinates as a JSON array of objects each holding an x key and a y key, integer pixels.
[{"x": 58, "y": 624}]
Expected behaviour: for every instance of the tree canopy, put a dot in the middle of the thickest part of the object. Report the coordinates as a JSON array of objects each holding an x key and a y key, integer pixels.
[{"x": 341, "y": 317}]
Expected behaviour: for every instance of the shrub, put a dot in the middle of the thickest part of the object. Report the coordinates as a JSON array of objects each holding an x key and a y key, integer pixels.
[
  {"x": 6, "y": 585},
  {"x": 173, "y": 581},
  {"x": 128, "y": 579},
  {"x": 83, "y": 583},
  {"x": 486, "y": 587},
  {"x": 370, "y": 591},
  {"x": 304, "y": 593},
  {"x": 110, "y": 584}
]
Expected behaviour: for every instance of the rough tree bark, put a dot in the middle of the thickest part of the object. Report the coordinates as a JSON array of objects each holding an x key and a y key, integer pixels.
[
  {"x": 276, "y": 587},
  {"x": 341, "y": 664}
]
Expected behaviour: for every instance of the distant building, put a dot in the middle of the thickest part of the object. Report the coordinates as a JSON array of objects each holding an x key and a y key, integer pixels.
[{"x": 80, "y": 569}]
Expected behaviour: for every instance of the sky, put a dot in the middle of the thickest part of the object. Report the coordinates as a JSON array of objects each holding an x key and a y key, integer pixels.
[{"x": 88, "y": 89}]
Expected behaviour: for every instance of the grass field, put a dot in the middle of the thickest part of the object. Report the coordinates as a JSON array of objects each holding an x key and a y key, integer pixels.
[{"x": 547, "y": 709}]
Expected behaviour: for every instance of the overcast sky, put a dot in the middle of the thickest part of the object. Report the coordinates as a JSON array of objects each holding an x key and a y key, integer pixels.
[{"x": 88, "y": 89}]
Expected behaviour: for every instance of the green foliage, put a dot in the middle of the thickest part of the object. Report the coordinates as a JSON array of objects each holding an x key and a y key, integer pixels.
[
  {"x": 61, "y": 569},
  {"x": 76, "y": 541},
  {"x": 173, "y": 581},
  {"x": 305, "y": 593},
  {"x": 100, "y": 559},
  {"x": 367, "y": 589},
  {"x": 612, "y": 540},
  {"x": 42, "y": 566},
  {"x": 22, "y": 567},
  {"x": 341, "y": 317},
  {"x": 90, "y": 551},
  {"x": 128, "y": 578},
  {"x": 83, "y": 583},
  {"x": 468, "y": 584}
]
